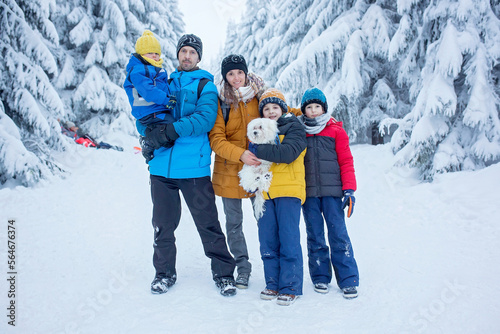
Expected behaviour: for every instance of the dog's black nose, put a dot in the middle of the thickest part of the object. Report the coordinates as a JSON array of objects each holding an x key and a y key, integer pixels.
[{"x": 255, "y": 133}]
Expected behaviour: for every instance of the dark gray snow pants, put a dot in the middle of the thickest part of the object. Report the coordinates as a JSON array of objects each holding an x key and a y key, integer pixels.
[{"x": 200, "y": 199}]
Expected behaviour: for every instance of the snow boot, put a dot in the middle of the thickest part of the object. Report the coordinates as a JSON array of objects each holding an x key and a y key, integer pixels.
[
  {"x": 226, "y": 286},
  {"x": 161, "y": 284},
  {"x": 268, "y": 294},
  {"x": 242, "y": 281},
  {"x": 286, "y": 299},
  {"x": 321, "y": 287},
  {"x": 350, "y": 292}
]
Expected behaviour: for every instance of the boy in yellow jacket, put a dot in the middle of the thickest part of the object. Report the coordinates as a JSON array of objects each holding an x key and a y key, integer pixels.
[{"x": 279, "y": 233}]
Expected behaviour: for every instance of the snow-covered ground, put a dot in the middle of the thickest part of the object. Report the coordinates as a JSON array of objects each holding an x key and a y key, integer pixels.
[{"x": 428, "y": 256}]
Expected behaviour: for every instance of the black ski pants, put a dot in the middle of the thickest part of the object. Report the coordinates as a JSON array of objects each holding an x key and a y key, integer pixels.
[{"x": 200, "y": 199}]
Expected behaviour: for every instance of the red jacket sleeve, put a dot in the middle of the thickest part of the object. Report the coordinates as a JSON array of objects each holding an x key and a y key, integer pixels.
[{"x": 345, "y": 159}]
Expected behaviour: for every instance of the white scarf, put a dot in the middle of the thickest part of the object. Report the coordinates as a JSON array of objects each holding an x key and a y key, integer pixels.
[
  {"x": 254, "y": 88},
  {"x": 314, "y": 125}
]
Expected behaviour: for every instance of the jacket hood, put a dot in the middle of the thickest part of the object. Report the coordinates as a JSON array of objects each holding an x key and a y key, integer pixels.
[
  {"x": 333, "y": 121},
  {"x": 135, "y": 59},
  {"x": 287, "y": 118}
]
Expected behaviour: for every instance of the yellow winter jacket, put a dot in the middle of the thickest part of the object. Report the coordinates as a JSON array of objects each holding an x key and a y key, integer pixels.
[
  {"x": 288, "y": 179},
  {"x": 288, "y": 160}
]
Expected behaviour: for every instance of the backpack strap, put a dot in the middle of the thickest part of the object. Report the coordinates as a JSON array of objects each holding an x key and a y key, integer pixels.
[
  {"x": 225, "y": 110},
  {"x": 201, "y": 85}
]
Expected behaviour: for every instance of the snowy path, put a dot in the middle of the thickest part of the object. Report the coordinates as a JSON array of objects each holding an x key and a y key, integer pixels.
[{"x": 428, "y": 257}]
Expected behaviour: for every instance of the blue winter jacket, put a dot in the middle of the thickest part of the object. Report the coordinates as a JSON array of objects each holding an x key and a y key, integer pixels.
[
  {"x": 146, "y": 87},
  {"x": 190, "y": 157}
]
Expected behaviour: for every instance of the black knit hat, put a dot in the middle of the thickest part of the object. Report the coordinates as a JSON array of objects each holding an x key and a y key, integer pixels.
[
  {"x": 314, "y": 95},
  {"x": 233, "y": 62},
  {"x": 192, "y": 41}
]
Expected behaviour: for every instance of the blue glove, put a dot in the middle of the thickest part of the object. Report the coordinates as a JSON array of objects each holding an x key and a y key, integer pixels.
[
  {"x": 253, "y": 147},
  {"x": 348, "y": 202}
]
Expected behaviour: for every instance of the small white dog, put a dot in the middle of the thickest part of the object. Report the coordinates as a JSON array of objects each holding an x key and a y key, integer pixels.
[{"x": 256, "y": 179}]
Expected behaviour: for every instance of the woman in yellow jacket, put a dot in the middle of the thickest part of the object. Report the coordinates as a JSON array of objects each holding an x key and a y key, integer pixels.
[{"x": 239, "y": 95}]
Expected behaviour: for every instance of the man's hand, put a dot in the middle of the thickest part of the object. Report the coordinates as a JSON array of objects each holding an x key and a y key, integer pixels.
[
  {"x": 162, "y": 135},
  {"x": 348, "y": 202},
  {"x": 249, "y": 158}
]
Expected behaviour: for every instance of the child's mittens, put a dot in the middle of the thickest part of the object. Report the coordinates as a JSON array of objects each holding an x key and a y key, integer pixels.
[
  {"x": 172, "y": 100},
  {"x": 349, "y": 201}
]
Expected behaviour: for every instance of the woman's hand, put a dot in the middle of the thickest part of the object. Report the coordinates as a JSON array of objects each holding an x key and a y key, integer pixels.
[{"x": 249, "y": 158}]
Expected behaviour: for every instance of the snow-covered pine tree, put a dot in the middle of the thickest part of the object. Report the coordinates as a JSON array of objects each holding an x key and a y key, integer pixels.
[
  {"x": 247, "y": 37},
  {"x": 66, "y": 60},
  {"x": 377, "y": 60},
  {"x": 339, "y": 46},
  {"x": 260, "y": 37},
  {"x": 450, "y": 71},
  {"x": 495, "y": 6},
  {"x": 100, "y": 37},
  {"x": 29, "y": 103}
]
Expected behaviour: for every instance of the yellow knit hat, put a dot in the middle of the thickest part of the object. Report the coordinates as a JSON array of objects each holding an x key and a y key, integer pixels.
[{"x": 147, "y": 43}]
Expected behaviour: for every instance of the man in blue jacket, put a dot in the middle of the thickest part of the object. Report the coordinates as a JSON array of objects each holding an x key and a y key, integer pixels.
[{"x": 185, "y": 166}]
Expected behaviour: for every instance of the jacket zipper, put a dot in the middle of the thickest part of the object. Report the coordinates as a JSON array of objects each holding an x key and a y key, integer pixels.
[
  {"x": 316, "y": 165},
  {"x": 172, "y": 149},
  {"x": 180, "y": 89},
  {"x": 170, "y": 162}
]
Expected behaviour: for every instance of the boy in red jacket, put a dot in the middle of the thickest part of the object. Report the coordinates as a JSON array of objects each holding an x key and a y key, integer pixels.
[{"x": 330, "y": 186}]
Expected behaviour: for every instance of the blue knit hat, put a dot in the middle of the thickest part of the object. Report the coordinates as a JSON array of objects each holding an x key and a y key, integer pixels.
[{"x": 314, "y": 95}]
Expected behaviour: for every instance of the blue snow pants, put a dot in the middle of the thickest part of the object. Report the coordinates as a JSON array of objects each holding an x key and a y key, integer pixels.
[
  {"x": 280, "y": 250},
  {"x": 341, "y": 254}
]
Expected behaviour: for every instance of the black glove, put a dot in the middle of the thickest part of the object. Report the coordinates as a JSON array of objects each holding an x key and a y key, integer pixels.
[
  {"x": 161, "y": 135},
  {"x": 146, "y": 149}
]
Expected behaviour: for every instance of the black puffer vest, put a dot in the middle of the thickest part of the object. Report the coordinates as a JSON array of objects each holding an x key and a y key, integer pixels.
[{"x": 322, "y": 167}]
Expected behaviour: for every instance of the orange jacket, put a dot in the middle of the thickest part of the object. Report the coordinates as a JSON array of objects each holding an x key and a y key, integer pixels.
[{"x": 229, "y": 141}]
